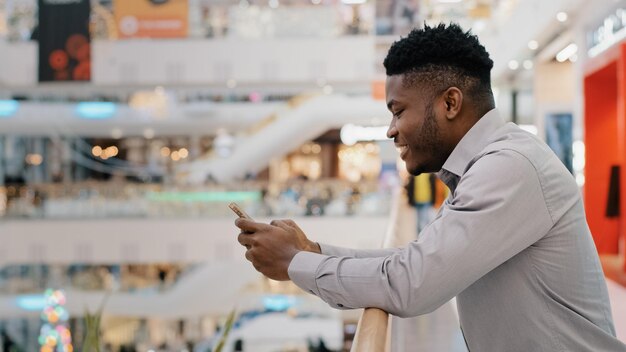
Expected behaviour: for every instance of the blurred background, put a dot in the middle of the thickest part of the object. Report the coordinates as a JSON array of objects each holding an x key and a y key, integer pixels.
[{"x": 128, "y": 126}]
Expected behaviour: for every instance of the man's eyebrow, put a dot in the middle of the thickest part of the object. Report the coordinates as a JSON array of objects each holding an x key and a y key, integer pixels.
[{"x": 390, "y": 104}]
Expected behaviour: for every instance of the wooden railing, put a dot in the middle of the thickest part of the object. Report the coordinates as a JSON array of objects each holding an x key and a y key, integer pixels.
[{"x": 373, "y": 333}]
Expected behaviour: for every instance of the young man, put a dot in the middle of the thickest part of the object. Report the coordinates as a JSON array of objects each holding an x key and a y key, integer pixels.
[{"x": 511, "y": 241}]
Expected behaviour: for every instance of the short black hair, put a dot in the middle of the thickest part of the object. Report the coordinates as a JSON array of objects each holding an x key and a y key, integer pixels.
[{"x": 443, "y": 56}]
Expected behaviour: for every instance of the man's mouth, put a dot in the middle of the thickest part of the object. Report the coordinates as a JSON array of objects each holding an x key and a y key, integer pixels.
[{"x": 402, "y": 149}]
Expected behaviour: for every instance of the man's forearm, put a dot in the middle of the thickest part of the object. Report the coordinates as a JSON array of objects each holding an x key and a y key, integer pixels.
[{"x": 336, "y": 251}]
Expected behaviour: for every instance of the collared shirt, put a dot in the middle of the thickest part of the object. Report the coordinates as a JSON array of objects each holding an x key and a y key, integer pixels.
[{"x": 511, "y": 242}]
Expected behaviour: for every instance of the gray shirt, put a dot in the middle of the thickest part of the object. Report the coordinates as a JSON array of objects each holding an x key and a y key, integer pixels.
[{"x": 511, "y": 242}]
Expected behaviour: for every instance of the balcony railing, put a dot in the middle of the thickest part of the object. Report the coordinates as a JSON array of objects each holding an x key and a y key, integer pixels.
[
  {"x": 127, "y": 200},
  {"x": 374, "y": 327}
]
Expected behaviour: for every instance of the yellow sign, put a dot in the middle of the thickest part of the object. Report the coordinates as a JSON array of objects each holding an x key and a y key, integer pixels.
[{"x": 151, "y": 18}]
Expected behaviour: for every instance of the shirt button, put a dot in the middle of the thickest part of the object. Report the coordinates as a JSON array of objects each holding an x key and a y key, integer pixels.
[{"x": 339, "y": 305}]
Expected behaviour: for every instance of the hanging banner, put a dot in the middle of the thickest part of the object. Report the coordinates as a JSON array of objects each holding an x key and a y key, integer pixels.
[
  {"x": 63, "y": 35},
  {"x": 151, "y": 18}
]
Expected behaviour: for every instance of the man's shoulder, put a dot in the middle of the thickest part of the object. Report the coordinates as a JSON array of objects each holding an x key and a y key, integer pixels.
[
  {"x": 512, "y": 139},
  {"x": 518, "y": 150},
  {"x": 515, "y": 148}
]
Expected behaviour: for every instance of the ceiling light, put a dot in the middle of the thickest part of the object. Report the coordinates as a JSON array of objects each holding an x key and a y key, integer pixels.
[
  {"x": 353, "y": 2},
  {"x": 513, "y": 64},
  {"x": 567, "y": 52},
  {"x": 95, "y": 109},
  {"x": 274, "y": 3},
  {"x": 350, "y": 134},
  {"x": 533, "y": 45},
  {"x": 34, "y": 159},
  {"x": 479, "y": 26},
  {"x": 8, "y": 107},
  {"x": 96, "y": 151},
  {"x": 528, "y": 64},
  {"x": 112, "y": 150},
  {"x": 32, "y": 302},
  {"x": 561, "y": 16}
]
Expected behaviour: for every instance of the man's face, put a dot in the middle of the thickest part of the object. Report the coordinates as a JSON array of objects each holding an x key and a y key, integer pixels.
[{"x": 415, "y": 127}]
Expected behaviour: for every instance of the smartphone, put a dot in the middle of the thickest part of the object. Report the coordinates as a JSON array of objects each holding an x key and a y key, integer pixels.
[{"x": 237, "y": 209}]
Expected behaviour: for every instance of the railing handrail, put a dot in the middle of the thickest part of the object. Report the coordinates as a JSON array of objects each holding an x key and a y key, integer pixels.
[
  {"x": 372, "y": 331},
  {"x": 374, "y": 327}
]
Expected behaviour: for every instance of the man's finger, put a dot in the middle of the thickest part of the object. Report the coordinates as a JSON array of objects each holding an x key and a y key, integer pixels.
[
  {"x": 293, "y": 224},
  {"x": 245, "y": 239},
  {"x": 250, "y": 258},
  {"x": 287, "y": 225},
  {"x": 283, "y": 225},
  {"x": 248, "y": 225}
]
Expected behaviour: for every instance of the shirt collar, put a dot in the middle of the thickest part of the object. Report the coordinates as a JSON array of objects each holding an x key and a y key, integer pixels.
[{"x": 475, "y": 140}]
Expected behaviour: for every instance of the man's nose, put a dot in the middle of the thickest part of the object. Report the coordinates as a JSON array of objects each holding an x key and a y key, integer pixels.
[{"x": 392, "y": 131}]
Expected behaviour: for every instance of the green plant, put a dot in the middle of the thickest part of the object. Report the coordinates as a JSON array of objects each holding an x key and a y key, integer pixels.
[
  {"x": 92, "y": 341},
  {"x": 227, "y": 327}
]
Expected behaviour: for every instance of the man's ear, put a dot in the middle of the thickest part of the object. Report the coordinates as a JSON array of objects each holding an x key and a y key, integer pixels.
[{"x": 452, "y": 100}]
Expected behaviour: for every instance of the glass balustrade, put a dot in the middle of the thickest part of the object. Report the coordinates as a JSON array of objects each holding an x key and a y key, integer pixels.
[{"x": 128, "y": 200}]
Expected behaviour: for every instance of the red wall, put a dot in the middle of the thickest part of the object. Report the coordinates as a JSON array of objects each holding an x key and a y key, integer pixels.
[{"x": 602, "y": 151}]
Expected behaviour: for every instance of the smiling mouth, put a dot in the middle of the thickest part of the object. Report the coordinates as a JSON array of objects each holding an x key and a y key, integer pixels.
[{"x": 402, "y": 149}]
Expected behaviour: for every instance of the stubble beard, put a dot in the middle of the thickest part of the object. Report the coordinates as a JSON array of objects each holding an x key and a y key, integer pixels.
[{"x": 430, "y": 142}]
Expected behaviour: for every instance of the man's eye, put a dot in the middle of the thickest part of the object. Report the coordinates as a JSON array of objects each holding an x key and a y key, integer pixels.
[{"x": 397, "y": 113}]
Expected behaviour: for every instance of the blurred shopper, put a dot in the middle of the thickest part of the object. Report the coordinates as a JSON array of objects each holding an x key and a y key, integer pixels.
[
  {"x": 511, "y": 241},
  {"x": 8, "y": 345},
  {"x": 421, "y": 195}
]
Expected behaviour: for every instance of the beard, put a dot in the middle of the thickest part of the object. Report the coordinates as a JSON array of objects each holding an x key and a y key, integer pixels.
[{"x": 428, "y": 143}]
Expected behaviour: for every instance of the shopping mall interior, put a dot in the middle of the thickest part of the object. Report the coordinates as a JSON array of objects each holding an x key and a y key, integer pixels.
[{"x": 127, "y": 127}]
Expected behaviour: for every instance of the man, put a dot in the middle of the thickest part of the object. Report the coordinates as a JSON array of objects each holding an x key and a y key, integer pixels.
[{"x": 511, "y": 241}]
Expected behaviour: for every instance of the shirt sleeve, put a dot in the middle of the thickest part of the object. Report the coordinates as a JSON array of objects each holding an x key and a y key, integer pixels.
[
  {"x": 356, "y": 253},
  {"x": 496, "y": 211}
]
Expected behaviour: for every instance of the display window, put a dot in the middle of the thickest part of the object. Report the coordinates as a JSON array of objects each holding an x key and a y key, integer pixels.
[{"x": 359, "y": 162}]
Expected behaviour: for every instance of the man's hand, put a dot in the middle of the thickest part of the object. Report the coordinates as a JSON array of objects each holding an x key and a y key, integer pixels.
[{"x": 271, "y": 247}]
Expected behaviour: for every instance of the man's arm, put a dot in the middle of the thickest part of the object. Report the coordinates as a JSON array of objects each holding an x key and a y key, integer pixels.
[
  {"x": 497, "y": 211},
  {"x": 271, "y": 247},
  {"x": 356, "y": 253}
]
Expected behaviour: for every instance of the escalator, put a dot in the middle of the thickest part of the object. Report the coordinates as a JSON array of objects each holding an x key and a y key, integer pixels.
[{"x": 285, "y": 132}]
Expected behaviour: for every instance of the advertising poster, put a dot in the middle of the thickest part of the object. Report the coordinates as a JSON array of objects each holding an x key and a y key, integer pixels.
[
  {"x": 64, "y": 41},
  {"x": 151, "y": 18},
  {"x": 559, "y": 137}
]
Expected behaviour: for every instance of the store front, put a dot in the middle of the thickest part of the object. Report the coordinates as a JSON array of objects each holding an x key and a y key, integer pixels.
[{"x": 605, "y": 145}]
